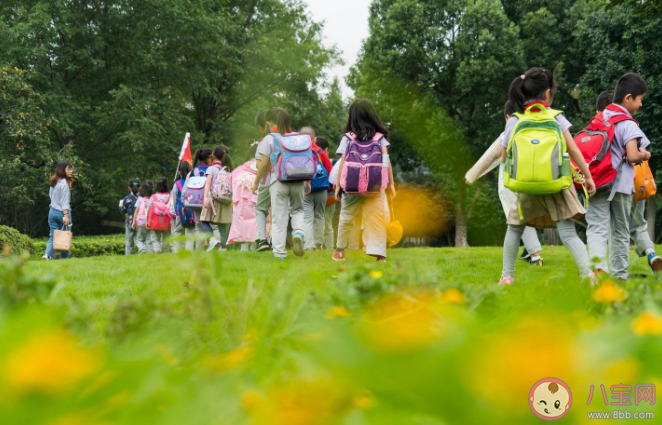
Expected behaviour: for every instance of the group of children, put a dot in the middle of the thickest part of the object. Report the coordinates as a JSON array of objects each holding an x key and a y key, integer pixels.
[
  {"x": 291, "y": 183},
  {"x": 618, "y": 146}
]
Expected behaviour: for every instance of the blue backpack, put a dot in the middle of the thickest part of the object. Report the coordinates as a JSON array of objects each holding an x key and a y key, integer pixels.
[
  {"x": 321, "y": 180},
  {"x": 185, "y": 217},
  {"x": 293, "y": 157}
]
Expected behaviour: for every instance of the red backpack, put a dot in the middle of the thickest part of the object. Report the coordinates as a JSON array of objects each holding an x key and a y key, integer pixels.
[
  {"x": 594, "y": 142},
  {"x": 159, "y": 215}
]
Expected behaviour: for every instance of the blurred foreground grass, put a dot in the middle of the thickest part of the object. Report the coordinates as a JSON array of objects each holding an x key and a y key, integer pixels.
[{"x": 238, "y": 338}]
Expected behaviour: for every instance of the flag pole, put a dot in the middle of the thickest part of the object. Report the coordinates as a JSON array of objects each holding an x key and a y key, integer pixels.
[{"x": 185, "y": 145}]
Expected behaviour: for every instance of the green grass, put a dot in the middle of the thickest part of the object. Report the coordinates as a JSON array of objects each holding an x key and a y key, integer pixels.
[{"x": 239, "y": 338}]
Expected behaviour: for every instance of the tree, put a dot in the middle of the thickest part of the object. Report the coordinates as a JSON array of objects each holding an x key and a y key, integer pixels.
[{"x": 453, "y": 59}]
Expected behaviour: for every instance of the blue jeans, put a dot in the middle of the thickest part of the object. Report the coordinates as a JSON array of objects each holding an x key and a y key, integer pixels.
[{"x": 55, "y": 222}]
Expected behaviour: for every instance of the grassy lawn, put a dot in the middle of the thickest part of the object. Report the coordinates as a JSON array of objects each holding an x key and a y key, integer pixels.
[{"x": 235, "y": 338}]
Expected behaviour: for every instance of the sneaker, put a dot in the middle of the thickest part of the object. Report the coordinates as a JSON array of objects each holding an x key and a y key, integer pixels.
[
  {"x": 338, "y": 256},
  {"x": 263, "y": 245},
  {"x": 508, "y": 280},
  {"x": 280, "y": 258},
  {"x": 213, "y": 244},
  {"x": 46, "y": 257},
  {"x": 297, "y": 241},
  {"x": 655, "y": 261},
  {"x": 524, "y": 255},
  {"x": 599, "y": 272},
  {"x": 381, "y": 260},
  {"x": 537, "y": 262},
  {"x": 592, "y": 279}
]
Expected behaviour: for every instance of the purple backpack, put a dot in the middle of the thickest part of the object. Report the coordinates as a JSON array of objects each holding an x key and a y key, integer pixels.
[
  {"x": 293, "y": 157},
  {"x": 363, "y": 172}
]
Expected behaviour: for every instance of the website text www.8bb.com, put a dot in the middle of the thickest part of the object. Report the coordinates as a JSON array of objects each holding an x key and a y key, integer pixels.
[{"x": 621, "y": 414}]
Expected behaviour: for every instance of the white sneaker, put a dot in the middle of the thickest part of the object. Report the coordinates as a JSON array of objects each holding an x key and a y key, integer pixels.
[
  {"x": 46, "y": 257},
  {"x": 213, "y": 244}
]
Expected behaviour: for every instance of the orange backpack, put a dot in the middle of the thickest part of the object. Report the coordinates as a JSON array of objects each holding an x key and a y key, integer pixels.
[{"x": 644, "y": 182}]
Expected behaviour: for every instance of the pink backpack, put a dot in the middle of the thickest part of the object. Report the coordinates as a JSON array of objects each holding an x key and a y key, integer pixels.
[
  {"x": 221, "y": 189},
  {"x": 159, "y": 215},
  {"x": 363, "y": 172},
  {"x": 141, "y": 212}
]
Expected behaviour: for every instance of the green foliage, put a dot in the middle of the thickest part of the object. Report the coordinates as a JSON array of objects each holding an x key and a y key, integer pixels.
[
  {"x": 12, "y": 240},
  {"x": 17, "y": 288},
  {"x": 88, "y": 246}
]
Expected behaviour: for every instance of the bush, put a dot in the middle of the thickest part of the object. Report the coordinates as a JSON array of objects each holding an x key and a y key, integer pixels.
[
  {"x": 89, "y": 246},
  {"x": 16, "y": 240}
]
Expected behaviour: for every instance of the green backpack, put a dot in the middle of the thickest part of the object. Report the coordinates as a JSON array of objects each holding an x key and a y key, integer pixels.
[{"x": 537, "y": 161}]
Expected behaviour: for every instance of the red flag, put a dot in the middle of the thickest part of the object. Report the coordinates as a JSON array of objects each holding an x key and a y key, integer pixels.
[{"x": 185, "y": 154}]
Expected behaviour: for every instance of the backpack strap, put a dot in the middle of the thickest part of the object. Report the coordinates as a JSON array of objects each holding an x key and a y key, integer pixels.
[{"x": 377, "y": 137}]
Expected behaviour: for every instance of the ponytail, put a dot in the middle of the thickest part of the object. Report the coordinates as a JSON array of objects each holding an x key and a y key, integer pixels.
[
  {"x": 134, "y": 185},
  {"x": 279, "y": 117},
  {"x": 531, "y": 85},
  {"x": 201, "y": 155},
  {"x": 222, "y": 153}
]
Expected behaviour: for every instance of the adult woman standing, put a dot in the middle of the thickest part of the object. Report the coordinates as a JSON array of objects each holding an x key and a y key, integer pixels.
[{"x": 59, "y": 215}]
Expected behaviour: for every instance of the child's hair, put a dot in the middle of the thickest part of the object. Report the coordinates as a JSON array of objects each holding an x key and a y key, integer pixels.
[
  {"x": 162, "y": 185},
  {"x": 322, "y": 143},
  {"x": 184, "y": 169},
  {"x": 261, "y": 122},
  {"x": 134, "y": 185},
  {"x": 531, "y": 85},
  {"x": 604, "y": 99},
  {"x": 145, "y": 190},
  {"x": 201, "y": 155},
  {"x": 149, "y": 185},
  {"x": 309, "y": 131},
  {"x": 60, "y": 173},
  {"x": 279, "y": 117},
  {"x": 222, "y": 153},
  {"x": 629, "y": 84},
  {"x": 508, "y": 109},
  {"x": 364, "y": 121}
]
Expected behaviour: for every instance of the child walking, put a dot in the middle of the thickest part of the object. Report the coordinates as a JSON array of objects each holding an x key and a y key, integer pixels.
[
  {"x": 363, "y": 125},
  {"x": 143, "y": 235},
  {"x": 128, "y": 207},
  {"x": 286, "y": 196},
  {"x": 184, "y": 221},
  {"x": 263, "y": 204},
  {"x": 244, "y": 223},
  {"x": 609, "y": 215},
  {"x": 330, "y": 205},
  {"x": 534, "y": 88},
  {"x": 161, "y": 197},
  {"x": 217, "y": 215},
  {"x": 201, "y": 162}
]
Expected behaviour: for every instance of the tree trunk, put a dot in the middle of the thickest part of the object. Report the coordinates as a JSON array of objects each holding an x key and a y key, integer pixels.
[
  {"x": 460, "y": 227},
  {"x": 552, "y": 237},
  {"x": 651, "y": 210}
]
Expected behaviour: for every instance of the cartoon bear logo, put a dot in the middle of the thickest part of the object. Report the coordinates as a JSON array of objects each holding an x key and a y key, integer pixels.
[{"x": 550, "y": 399}]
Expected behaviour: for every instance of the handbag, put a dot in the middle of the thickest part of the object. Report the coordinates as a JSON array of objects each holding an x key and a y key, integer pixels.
[
  {"x": 62, "y": 240},
  {"x": 644, "y": 182},
  {"x": 394, "y": 230}
]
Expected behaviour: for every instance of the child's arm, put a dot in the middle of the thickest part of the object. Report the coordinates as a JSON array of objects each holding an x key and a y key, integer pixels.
[
  {"x": 133, "y": 222},
  {"x": 577, "y": 156},
  {"x": 504, "y": 154},
  {"x": 262, "y": 167},
  {"x": 390, "y": 173},
  {"x": 634, "y": 154},
  {"x": 342, "y": 160}
]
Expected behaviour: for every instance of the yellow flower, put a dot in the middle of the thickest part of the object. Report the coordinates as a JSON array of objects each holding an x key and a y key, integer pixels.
[
  {"x": 299, "y": 403},
  {"x": 49, "y": 363},
  {"x": 648, "y": 323},
  {"x": 166, "y": 354},
  {"x": 608, "y": 292},
  {"x": 376, "y": 274},
  {"x": 77, "y": 419},
  {"x": 453, "y": 296},
  {"x": 338, "y": 311},
  {"x": 364, "y": 400},
  {"x": 229, "y": 361}
]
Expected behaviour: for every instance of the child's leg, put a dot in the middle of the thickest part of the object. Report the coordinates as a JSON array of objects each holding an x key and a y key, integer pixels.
[
  {"x": 191, "y": 234},
  {"x": 597, "y": 233},
  {"x": 156, "y": 241},
  {"x": 280, "y": 201},
  {"x": 199, "y": 231},
  {"x": 176, "y": 231},
  {"x": 568, "y": 235},
  {"x": 319, "y": 206},
  {"x": 355, "y": 235},
  {"x": 329, "y": 241},
  {"x": 309, "y": 220},
  {"x": 510, "y": 249},
  {"x": 619, "y": 254},
  {"x": 349, "y": 209},
  {"x": 216, "y": 230},
  {"x": 531, "y": 241},
  {"x": 224, "y": 230},
  {"x": 128, "y": 240},
  {"x": 297, "y": 193},
  {"x": 141, "y": 235},
  {"x": 374, "y": 221},
  {"x": 639, "y": 230},
  {"x": 261, "y": 211}
]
